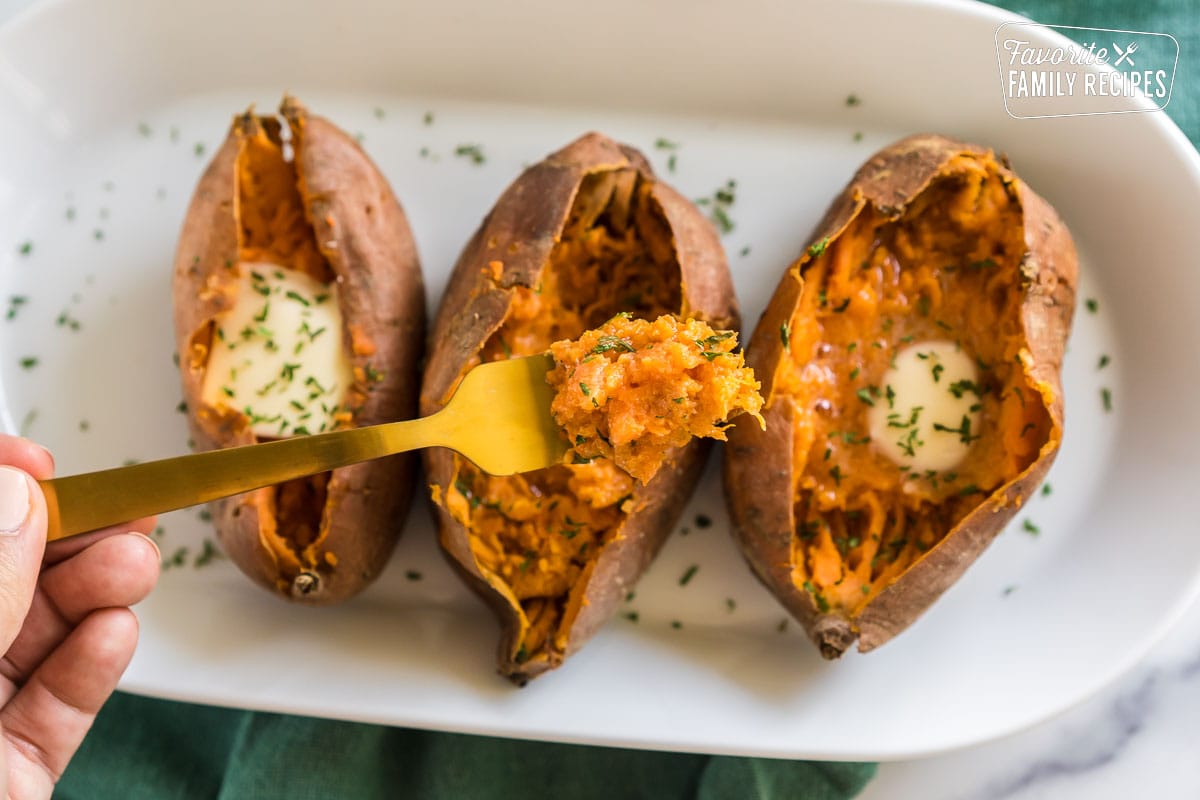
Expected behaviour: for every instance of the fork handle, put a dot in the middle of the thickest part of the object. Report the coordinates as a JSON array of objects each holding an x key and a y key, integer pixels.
[{"x": 93, "y": 500}]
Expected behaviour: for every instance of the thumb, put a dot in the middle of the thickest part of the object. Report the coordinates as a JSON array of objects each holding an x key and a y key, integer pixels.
[{"x": 22, "y": 541}]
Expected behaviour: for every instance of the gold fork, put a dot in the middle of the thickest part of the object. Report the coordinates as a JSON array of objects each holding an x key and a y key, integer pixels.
[{"x": 499, "y": 418}]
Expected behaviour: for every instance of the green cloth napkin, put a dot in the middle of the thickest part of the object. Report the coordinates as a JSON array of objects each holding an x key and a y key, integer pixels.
[
  {"x": 158, "y": 750},
  {"x": 142, "y": 749}
]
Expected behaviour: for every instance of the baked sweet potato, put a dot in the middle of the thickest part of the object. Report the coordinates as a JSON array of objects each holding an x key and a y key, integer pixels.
[
  {"x": 858, "y": 506},
  {"x": 299, "y": 308},
  {"x": 576, "y": 239}
]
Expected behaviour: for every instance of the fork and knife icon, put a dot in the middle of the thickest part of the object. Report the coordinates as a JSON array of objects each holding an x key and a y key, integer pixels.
[{"x": 1125, "y": 54}]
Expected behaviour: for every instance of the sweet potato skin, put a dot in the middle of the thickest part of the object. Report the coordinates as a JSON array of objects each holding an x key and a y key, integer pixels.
[
  {"x": 520, "y": 231},
  {"x": 363, "y": 233},
  {"x": 758, "y": 467}
]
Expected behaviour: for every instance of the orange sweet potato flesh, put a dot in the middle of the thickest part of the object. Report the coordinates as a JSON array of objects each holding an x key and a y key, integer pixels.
[
  {"x": 579, "y": 237},
  {"x": 633, "y": 390},
  {"x": 932, "y": 240},
  {"x": 328, "y": 212}
]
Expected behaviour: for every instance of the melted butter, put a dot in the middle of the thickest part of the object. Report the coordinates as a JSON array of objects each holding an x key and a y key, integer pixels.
[
  {"x": 277, "y": 355},
  {"x": 928, "y": 413}
]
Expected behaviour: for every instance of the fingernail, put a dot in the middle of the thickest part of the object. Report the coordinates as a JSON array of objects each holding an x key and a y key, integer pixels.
[
  {"x": 153, "y": 543},
  {"x": 14, "y": 500}
]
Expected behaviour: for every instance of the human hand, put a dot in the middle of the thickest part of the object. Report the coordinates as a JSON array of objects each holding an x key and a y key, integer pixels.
[{"x": 66, "y": 632}]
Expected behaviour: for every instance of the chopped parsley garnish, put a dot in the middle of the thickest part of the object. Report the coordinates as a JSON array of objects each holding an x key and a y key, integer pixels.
[
  {"x": 969, "y": 490},
  {"x": 1104, "y": 362},
  {"x": 963, "y": 430},
  {"x": 1093, "y": 305},
  {"x": 632, "y": 616},
  {"x": 703, "y": 521},
  {"x": 198, "y": 149},
  {"x": 1106, "y": 398},
  {"x": 1047, "y": 490},
  {"x": 842, "y": 306},
  {"x": 730, "y": 604},
  {"x": 836, "y": 474},
  {"x": 1030, "y": 528},
  {"x": 583, "y": 387},
  {"x": 937, "y": 370},
  {"x": 818, "y": 248},
  {"x": 865, "y": 396},
  {"x": 986, "y": 263},
  {"x": 853, "y": 100},
  {"x": 471, "y": 152},
  {"x": 688, "y": 574},
  {"x": 785, "y": 336},
  {"x": 609, "y": 343},
  {"x": 719, "y": 204},
  {"x": 293, "y": 295},
  {"x": 25, "y": 248},
  {"x": 28, "y": 362},
  {"x": 207, "y": 555},
  {"x": 959, "y": 388},
  {"x": 818, "y": 598},
  {"x": 14, "y": 303}
]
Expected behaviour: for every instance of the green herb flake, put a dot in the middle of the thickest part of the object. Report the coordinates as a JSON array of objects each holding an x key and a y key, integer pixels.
[
  {"x": 15, "y": 302},
  {"x": 1030, "y": 528},
  {"x": 688, "y": 574},
  {"x": 865, "y": 396},
  {"x": 676, "y": 624},
  {"x": 1103, "y": 362},
  {"x": 632, "y": 616},
  {"x": 471, "y": 152},
  {"x": 198, "y": 149},
  {"x": 853, "y": 101},
  {"x": 413, "y": 575},
  {"x": 1047, "y": 490},
  {"x": 293, "y": 295},
  {"x": 730, "y": 605},
  {"x": 785, "y": 336},
  {"x": 28, "y": 362},
  {"x": 607, "y": 344},
  {"x": 817, "y": 249},
  {"x": 25, "y": 248},
  {"x": 1093, "y": 305},
  {"x": 1106, "y": 398},
  {"x": 208, "y": 553}
]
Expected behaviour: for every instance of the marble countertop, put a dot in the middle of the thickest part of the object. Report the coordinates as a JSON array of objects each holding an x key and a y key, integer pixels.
[{"x": 1135, "y": 737}]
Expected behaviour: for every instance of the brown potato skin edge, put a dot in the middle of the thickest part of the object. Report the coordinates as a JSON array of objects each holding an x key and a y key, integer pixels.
[
  {"x": 758, "y": 467},
  {"x": 364, "y": 235},
  {"x": 521, "y": 231}
]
